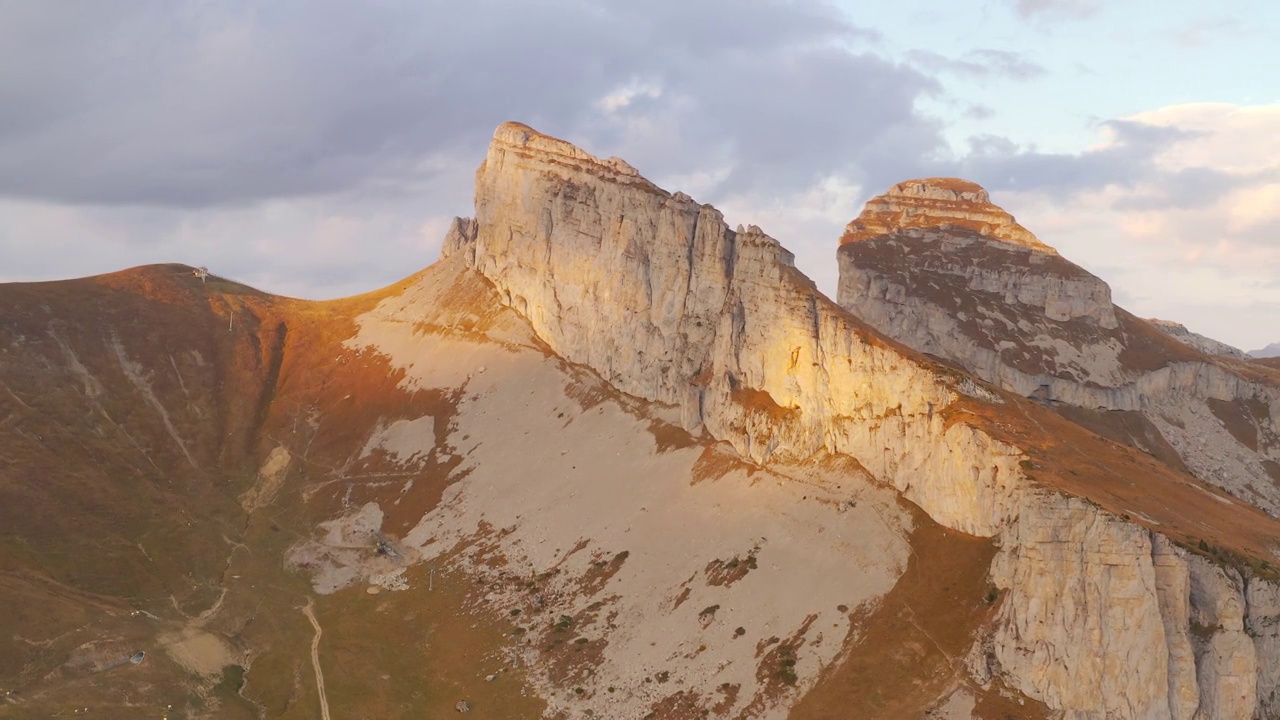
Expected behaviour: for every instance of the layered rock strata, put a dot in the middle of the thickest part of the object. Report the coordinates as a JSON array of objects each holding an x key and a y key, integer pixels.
[
  {"x": 939, "y": 202},
  {"x": 1100, "y": 617},
  {"x": 1028, "y": 320}
]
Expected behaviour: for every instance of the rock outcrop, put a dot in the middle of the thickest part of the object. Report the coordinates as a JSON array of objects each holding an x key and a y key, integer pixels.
[
  {"x": 939, "y": 203},
  {"x": 1106, "y": 619},
  {"x": 1028, "y": 320},
  {"x": 1100, "y": 617},
  {"x": 667, "y": 303},
  {"x": 1206, "y": 345}
]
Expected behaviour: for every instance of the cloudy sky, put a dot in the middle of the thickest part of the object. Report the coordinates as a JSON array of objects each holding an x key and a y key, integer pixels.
[{"x": 318, "y": 148}]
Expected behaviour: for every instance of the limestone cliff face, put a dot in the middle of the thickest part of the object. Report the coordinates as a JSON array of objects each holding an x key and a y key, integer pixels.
[
  {"x": 1028, "y": 320},
  {"x": 1099, "y": 617},
  {"x": 667, "y": 303},
  {"x": 1104, "y": 619}
]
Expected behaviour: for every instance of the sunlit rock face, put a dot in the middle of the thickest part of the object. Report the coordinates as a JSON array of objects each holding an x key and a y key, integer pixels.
[
  {"x": 658, "y": 295},
  {"x": 939, "y": 203},
  {"x": 934, "y": 265},
  {"x": 1098, "y": 616},
  {"x": 1105, "y": 619}
]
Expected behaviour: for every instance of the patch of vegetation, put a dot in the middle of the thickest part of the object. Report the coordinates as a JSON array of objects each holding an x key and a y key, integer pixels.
[
  {"x": 1231, "y": 560},
  {"x": 727, "y": 572},
  {"x": 787, "y": 668},
  {"x": 1204, "y": 632},
  {"x": 232, "y": 679}
]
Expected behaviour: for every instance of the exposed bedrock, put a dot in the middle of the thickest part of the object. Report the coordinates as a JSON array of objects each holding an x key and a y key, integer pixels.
[
  {"x": 1099, "y": 617},
  {"x": 1026, "y": 319}
]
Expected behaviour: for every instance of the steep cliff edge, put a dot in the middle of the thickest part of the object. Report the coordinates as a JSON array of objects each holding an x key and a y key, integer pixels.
[
  {"x": 660, "y": 297},
  {"x": 1030, "y": 321},
  {"x": 657, "y": 294},
  {"x": 1204, "y": 344}
]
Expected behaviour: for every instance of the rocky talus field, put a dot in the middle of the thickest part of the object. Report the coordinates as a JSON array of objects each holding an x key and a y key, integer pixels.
[{"x": 610, "y": 458}]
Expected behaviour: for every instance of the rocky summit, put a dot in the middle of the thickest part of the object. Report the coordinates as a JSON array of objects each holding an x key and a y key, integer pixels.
[
  {"x": 1038, "y": 325},
  {"x": 939, "y": 203},
  {"x": 610, "y": 458}
]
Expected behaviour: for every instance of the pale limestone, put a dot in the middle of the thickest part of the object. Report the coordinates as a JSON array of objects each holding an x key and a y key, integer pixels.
[
  {"x": 656, "y": 294},
  {"x": 1014, "y": 299},
  {"x": 1207, "y": 345},
  {"x": 1104, "y": 619},
  {"x": 590, "y": 484}
]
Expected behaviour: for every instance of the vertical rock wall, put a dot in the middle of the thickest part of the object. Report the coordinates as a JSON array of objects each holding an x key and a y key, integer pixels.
[
  {"x": 1104, "y": 619},
  {"x": 1099, "y": 617}
]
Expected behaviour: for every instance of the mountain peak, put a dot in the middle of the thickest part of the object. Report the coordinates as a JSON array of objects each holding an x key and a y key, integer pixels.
[
  {"x": 942, "y": 188},
  {"x": 938, "y": 203},
  {"x": 1270, "y": 351},
  {"x": 522, "y": 139}
]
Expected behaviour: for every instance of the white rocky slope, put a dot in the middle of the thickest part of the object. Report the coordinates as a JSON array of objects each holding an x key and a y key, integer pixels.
[
  {"x": 1020, "y": 316},
  {"x": 639, "y": 563},
  {"x": 1204, "y": 344},
  {"x": 1101, "y": 619}
]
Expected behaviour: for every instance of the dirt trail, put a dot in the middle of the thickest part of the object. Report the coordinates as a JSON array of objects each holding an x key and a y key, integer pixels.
[{"x": 315, "y": 659}]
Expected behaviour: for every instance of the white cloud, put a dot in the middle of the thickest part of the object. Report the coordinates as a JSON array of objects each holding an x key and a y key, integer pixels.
[
  {"x": 1199, "y": 237},
  {"x": 624, "y": 96},
  {"x": 1229, "y": 138},
  {"x": 1253, "y": 208}
]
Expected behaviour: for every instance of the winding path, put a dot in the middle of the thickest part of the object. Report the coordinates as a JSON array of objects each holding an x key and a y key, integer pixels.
[{"x": 315, "y": 660}]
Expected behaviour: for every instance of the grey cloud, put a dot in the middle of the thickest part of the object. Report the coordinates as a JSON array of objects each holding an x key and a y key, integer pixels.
[
  {"x": 176, "y": 131},
  {"x": 191, "y": 104},
  {"x": 1076, "y": 9},
  {"x": 1002, "y": 165},
  {"x": 1007, "y": 63},
  {"x": 980, "y": 63},
  {"x": 1129, "y": 161},
  {"x": 1188, "y": 188},
  {"x": 815, "y": 113},
  {"x": 979, "y": 112}
]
